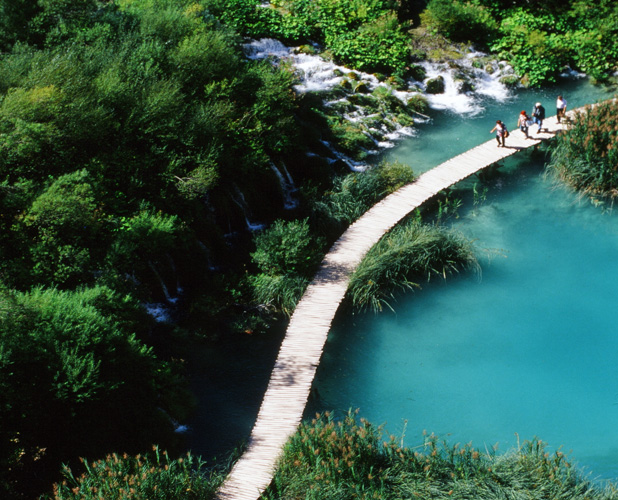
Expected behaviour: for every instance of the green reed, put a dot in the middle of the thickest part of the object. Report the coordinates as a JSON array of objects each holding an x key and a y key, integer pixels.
[
  {"x": 124, "y": 477},
  {"x": 585, "y": 156},
  {"x": 350, "y": 458},
  {"x": 411, "y": 253}
]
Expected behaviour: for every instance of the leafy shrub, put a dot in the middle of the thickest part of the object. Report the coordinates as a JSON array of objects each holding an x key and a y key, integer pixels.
[
  {"x": 585, "y": 156},
  {"x": 531, "y": 44},
  {"x": 379, "y": 45},
  {"x": 287, "y": 254},
  {"x": 412, "y": 251},
  {"x": 287, "y": 248},
  {"x": 73, "y": 381},
  {"x": 461, "y": 21}
]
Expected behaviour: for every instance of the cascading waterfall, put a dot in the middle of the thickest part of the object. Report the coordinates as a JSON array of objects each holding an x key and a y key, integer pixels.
[
  {"x": 466, "y": 85},
  {"x": 161, "y": 311},
  {"x": 288, "y": 188},
  {"x": 244, "y": 206}
]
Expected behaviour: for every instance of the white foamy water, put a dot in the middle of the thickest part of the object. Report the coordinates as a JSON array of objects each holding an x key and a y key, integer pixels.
[
  {"x": 471, "y": 102},
  {"x": 318, "y": 75}
]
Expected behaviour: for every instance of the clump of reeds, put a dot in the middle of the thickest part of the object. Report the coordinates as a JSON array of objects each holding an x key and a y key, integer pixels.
[
  {"x": 349, "y": 459},
  {"x": 123, "y": 477},
  {"x": 585, "y": 156},
  {"x": 409, "y": 254}
]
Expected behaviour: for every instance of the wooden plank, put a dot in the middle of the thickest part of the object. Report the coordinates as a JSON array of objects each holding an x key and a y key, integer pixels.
[{"x": 290, "y": 384}]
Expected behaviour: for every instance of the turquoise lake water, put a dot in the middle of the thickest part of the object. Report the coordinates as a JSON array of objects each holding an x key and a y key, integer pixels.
[{"x": 526, "y": 349}]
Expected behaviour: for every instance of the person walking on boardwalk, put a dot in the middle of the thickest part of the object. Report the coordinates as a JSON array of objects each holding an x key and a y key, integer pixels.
[
  {"x": 522, "y": 123},
  {"x": 538, "y": 115},
  {"x": 561, "y": 106},
  {"x": 501, "y": 133}
]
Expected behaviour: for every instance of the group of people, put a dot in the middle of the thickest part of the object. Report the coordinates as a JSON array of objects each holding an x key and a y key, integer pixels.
[{"x": 524, "y": 122}]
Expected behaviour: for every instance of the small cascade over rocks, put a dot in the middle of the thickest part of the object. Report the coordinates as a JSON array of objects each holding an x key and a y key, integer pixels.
[
  {"x": 378, "y": 112},
  {"x": 162, "y": 311},
  {"x": 288, "y": 188},
  {"x": 239, "y": 199},
  {"x": 465, "y": 83}
]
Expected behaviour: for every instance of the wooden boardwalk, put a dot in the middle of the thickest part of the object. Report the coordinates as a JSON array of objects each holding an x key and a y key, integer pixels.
[{"x": 290, "y": 383}]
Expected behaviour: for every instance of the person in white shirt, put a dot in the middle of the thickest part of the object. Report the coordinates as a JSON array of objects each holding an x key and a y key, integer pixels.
[{"x": 561, "y": 106}]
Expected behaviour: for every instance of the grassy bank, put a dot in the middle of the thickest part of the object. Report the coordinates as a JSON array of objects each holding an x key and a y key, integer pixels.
[{"x": 352, "y": 458}]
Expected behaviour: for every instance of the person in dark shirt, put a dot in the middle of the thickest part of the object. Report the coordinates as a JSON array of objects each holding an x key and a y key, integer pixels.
[{"x": 538, "y": 115}]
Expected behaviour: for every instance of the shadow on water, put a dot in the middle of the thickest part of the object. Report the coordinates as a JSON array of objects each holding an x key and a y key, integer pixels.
[{"x": 229, "y": 378}]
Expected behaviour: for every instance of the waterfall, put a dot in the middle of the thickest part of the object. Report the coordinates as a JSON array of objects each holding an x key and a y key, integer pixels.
[
  {"x": 164, "y": 288},
  {"x": 175, "y": 273},
  {"x": 467, "y": 85},
  {"x": 454, "y": 98},
  {"x": 244, "y": 206},
  {"x": 287, "y": 187}
]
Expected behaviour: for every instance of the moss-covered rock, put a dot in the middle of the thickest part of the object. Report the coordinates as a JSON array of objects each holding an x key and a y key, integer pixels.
[
  {"x": 361, "y": 88},
  {"x": 397, "y": 83},
  {"x": 435, "y": 85},
  {"x": 417, "y": 72},
  {"x": 306, "y": 49},
  {"x": 510, "y": 80}
]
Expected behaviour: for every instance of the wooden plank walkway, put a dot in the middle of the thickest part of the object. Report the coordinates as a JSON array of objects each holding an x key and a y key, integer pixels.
[{"x": 290, "y": 383}]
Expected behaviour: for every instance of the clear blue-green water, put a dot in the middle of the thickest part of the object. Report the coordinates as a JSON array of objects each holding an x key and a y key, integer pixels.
[{"x": 528, "y": 348}]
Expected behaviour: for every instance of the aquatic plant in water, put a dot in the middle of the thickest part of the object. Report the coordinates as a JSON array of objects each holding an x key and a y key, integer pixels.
[
  {"x": 410, "y": 253},
  {"x": 585, "y": 156},
  {"x": 351, "y": 458}
]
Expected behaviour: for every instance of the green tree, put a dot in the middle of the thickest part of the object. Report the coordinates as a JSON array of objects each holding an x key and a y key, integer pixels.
[{"x": 73, "y": 381}]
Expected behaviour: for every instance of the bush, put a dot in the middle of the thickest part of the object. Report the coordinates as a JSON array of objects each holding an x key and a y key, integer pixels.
[
  {"x": 461, "y": 21},
  {"x": 287, "y": 248},
  {"x": 74, "y": 381},
  {"x": 287, "y": 254},
  {"x": 531, "y": 44}
]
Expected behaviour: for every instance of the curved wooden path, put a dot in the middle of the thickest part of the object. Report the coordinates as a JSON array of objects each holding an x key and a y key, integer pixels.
[{"x": 290, "y": 383}]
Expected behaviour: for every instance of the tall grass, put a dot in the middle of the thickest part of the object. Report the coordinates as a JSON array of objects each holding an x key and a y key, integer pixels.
[
  {"x": 586, "y": 155},
  {"x": 136, "y": 478},
  {"x": 350, "y": 458},
  {"x": 411, "y": 253}
]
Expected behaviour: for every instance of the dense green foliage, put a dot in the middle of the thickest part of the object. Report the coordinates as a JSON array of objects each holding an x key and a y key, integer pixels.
[
  {"x": 132, "y": 136},
  {"x": 75, "y": 379},
  {"x": 585, "y": 156},
  {"x": 411, "y": 253},
  {"x": 136, "y": 144},
  {"x": 154, "y": 476},
  {"x": 363, "y": 34},
  {"x": 286, "y": 255},
  {"x": 349, "y": 458},
  {"x": 538, "y": 38}
]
